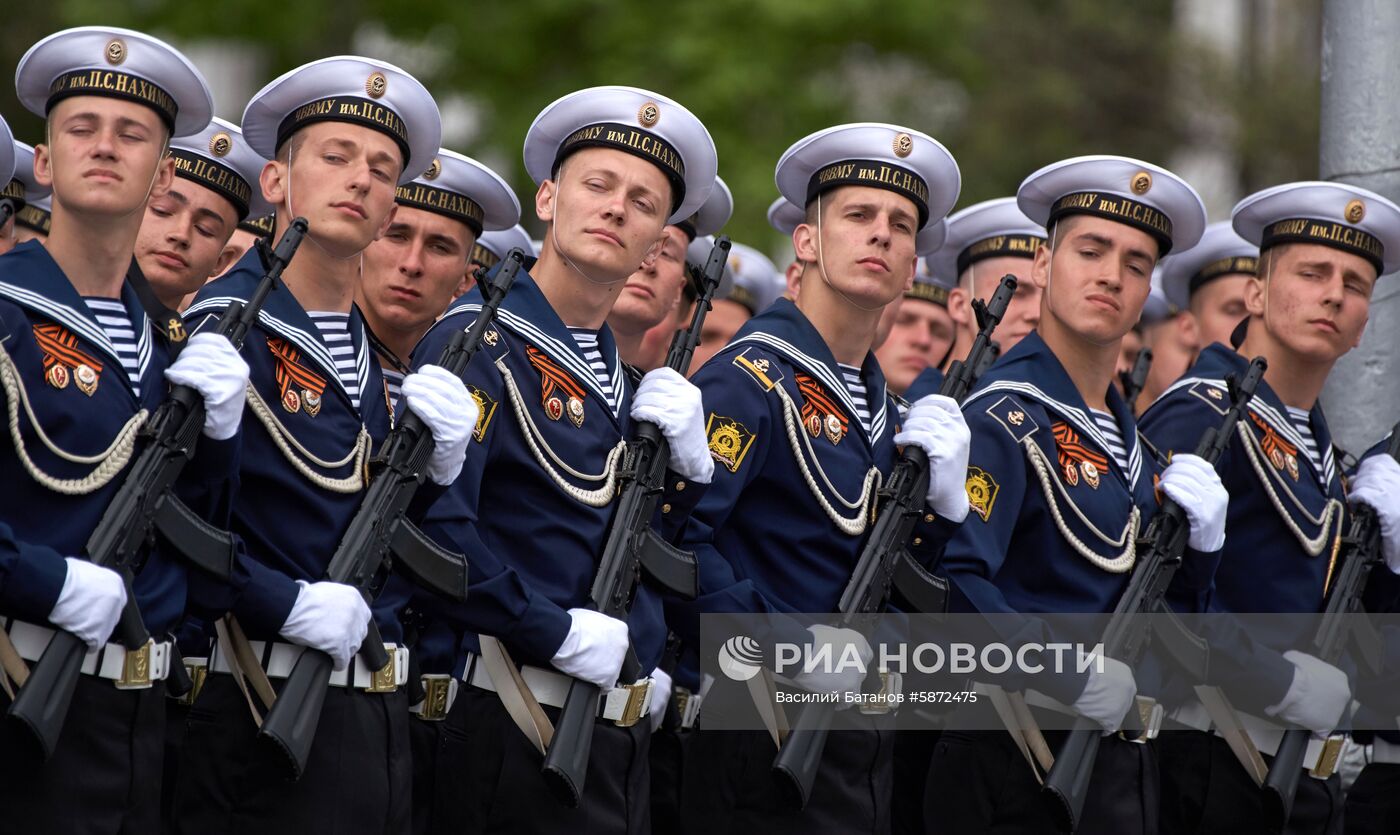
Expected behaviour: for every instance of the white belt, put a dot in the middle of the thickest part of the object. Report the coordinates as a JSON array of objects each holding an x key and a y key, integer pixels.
[
  {"x": 439, "y": 694},
  {"x": 1266, "y": 734},
  {"x": 136, "y": 669},
  {"x": 278, "y": 659},
  {"x": 624, "y": 704},
  {"x": 1385, "y": 752},
  {"x": 687, "y": 705}
]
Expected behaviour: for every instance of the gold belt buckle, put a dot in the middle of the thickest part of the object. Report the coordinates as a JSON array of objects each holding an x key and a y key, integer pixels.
[
  {"x": 638, "y": 695},
  {"x": 680, "y": 696},
  {"x": 385, "y": 679},
  {"x": 1150, "y": 713},
  {"x": 435, "y": 690},
  {"x": 1326, "y": 764},
  {"x": 197, "y": 671},
  {"x": 136, "y": 668}
]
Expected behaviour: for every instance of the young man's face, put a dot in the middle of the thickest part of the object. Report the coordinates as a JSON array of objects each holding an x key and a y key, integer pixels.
[
  {"x": 606, "y": 210},
  {"x": 104, "y": 156},
  {"x": 1314, "y": 299},
  {"x": 183, "y": 239},
  {"x": 1022, "y": 314},
  {"x": 721, "y": 323},
  {"x": 866, "y": 243},
  {"x": 920, "y": 337},
  {"x": 1174, "y": 343},
  {"x": 653, "y": 291},
  {"x": 415, "y": 271},
  {"x": 1096, "y": 277},
  {"x": 341, "y": 178},
  {"x": 1218, "y": 306},
  {"x": 240, "y": 242}
]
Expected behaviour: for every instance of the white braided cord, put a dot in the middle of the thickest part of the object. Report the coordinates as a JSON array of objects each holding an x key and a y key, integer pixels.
[
  {"x": 1118, "y": 564},
  {"x": 1313, "y": 547},
  {"x": 109, "y": 462},
  {"x": 286, "y": 442},
  {"x": 539, "y": 447},
  {"x": 850, "y": 525}
]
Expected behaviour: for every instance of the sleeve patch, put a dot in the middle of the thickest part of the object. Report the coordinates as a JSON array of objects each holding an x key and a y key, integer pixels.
[
  {"x": 1213, "y": 396},
  {"x": 729, "y": 441},
  {"x": 1014, "y": 417},
  {"x": 760, "y": 368},
  {"x": 486, "y": 410},
  {"x": 981, "y": 491}
]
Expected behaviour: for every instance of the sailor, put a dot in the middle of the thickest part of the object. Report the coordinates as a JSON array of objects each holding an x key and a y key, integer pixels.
[
  {"x": 1208, "y": 281},
  {"x": 1060, "y": 489},
  {"x": 615, "y": 166},
  {"x": 985, "y": 242},
  {"x": 22, "y": 191},
  {"x": 923, "y": 331},
  {"x": 84, "y": 365},
  {"x": 754, "y": 284},
  {"x": 341, "y": 134},
  {"x": 186, "y": 235},
  {"x": 788, "y": 514},
  {"x": 1321, "y": 248}
]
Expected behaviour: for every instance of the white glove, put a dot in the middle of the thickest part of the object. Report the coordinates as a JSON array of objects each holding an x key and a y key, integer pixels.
[
  {"x": 90, "y": 603},
  {"x": 1377, "y": 484},
  {"x": 672, "y": 402},
  {"x": 842, "y": 677},
  {"x": 660, "y": 696},
  {"x": 440, "y": 399},
  {"x": 211, "y": 366},
  {"x": 1108, "y": 695},
  {"x": 594, "y": 648},
  {"x": 1316, "y": 698},
  {"x": 935, "y": 424},
  {"x": 331, "y": 617},
  {"x": 1196, "y": 486}
]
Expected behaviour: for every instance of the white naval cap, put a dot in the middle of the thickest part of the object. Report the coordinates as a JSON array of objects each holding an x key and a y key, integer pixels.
[
  {"x": 1125, "y": 190},
  {"x": 757, "y": 281},
  {"x": 1338, "y": 215},
  {"x": 24, "y": 174},
  {"x": 459, "y": 187},
  {"x": 14, "y": 189},
  {"x": 220, "y": 160},
  {"x": 1221, "y": 251},
  {"x": 495, "y": 244},
  {"x": 897, "y": 159},
  {"x": 785, "y": 217},
  {"x": 115, "y": 63},
  {"x": 990, "y": 229},
  {"x": 352, "y": 89},
  {"x": 929, "y": 286},
  {"x": 639, "y": 122},
  {"x": 36, "y": 216},
  {"x": 712, "y": 215}
]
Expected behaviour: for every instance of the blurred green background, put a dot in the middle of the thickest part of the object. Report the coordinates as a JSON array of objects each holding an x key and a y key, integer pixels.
[{"x": 1225, "y": 92}]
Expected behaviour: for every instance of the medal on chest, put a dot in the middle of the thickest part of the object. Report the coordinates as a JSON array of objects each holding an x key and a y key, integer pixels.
[
  {"x": 820, "y": 413},
  {"x": 560, "y": 393}
]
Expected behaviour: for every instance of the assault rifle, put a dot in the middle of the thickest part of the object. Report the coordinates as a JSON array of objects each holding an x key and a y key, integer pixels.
[
  {"x": 144, "y": 506},
  {"x": 1128, "y": 631},
  {"x": 379, "y": 539},
  {"x": 633, "y": 548},
  {"x": 885, "y": 561}
]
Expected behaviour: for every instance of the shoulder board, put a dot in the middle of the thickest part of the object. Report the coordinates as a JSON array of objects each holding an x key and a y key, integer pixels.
[
  {"x": 760, "y": 368},
  {"x": 1012, "y": 414},
  {"x": 1212, "y": 395}
]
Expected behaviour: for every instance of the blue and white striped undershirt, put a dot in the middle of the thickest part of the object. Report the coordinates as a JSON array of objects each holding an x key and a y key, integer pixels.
[
  {"x": 1109, "y": 427},
  {"x": 335, "y": 332},
  {"x": 856, "y": 386},
  {"x": 1302, "y": 420},
  {"x": 587, "y": 341},
  {"x": 116, "y": 322}
]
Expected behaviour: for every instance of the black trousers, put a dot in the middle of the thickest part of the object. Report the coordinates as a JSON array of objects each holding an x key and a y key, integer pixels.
[
  {"x": 913, "y": 751},
  {"x": 176, "y": 715},
  {"x": 729, "y": 785},
  {"x": 104, "y": 775},
  {"x": 424, "y": 739},
  {"x": 357, "y": 780},
  {"x": 668, "y": 746},
  {"x": 1373, "y": 804},
  {"x": 1205, "y": 791},
  {"x": 978, "y": 781},
  {"x": 490, "y": 782}
]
